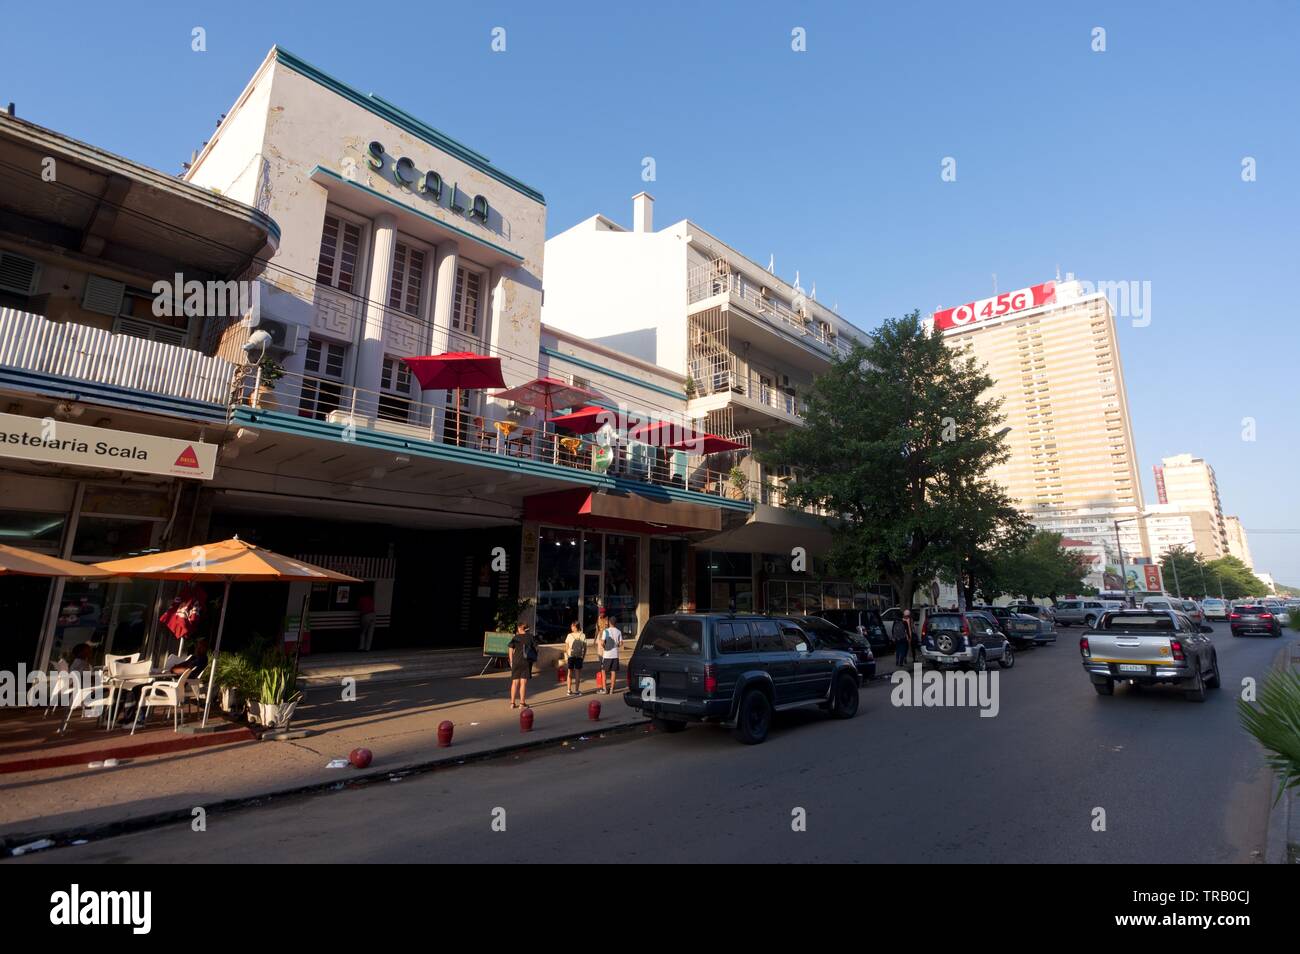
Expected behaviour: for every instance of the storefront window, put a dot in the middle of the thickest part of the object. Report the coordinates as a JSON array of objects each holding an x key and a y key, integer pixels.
[
  {"x": 32, "y": 529},
  {"x": 620, "y": 580},
  {"x": 558, "y": 582}
]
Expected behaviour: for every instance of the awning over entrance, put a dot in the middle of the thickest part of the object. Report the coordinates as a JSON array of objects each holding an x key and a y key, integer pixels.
[
  {"x": 773, "y": 530},
  {"x": 629, "y": 512}
]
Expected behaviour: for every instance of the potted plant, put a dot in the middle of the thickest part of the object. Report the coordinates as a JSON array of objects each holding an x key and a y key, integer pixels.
[
  {"x": 238, "y": 681},
  {"x": 277, "y": 697},
  {"x": 507, "y": 613},
  {"x": 268, "y": 372},
  {"x": 739, "y": 483},
  {"x": 690, "y": 388}
]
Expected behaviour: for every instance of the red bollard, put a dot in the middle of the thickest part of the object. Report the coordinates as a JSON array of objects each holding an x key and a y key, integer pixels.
[
  {"x": 526, "y": 720},
  {"x": 561, "y": 675},
  {"x": 445, "y": 729},
  {"x": 593, "y": 710}
]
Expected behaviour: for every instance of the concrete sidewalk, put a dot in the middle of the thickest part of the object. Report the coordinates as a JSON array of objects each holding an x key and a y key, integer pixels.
[{"x": 397, "y": 721}]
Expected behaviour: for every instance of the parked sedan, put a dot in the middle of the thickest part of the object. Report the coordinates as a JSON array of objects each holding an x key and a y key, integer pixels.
[
  {"x": 827, "y": 635},
  {"x": 1020, "y": 629},
  {"x": 866, "y": 623},
  {"x": 1254, "y": 619}
]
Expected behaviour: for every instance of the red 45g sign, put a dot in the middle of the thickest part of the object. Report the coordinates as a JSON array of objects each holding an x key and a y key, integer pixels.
[{"x": 996, "y": 307}]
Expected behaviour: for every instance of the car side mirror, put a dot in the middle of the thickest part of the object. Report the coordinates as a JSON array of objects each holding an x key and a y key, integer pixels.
[{"x": 801, "y": 648}]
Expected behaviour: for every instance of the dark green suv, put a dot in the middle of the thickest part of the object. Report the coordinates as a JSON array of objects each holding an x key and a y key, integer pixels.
[{"x": 736, "y": 670}]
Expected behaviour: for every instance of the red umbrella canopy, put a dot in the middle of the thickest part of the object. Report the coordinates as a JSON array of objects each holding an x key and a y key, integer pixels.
[
  {"x": 663, "y": 433},
  {"x": 456, "y": 369},
  {"x": 587, "y": 420},
  {"x": 548, "y": 393},
  {"x": 707, "y": 444}
]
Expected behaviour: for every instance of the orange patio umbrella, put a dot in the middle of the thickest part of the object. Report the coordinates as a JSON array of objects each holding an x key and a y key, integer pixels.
[
  {"x": 230, "y": 560},
  {"x": 20, "y": 562}
]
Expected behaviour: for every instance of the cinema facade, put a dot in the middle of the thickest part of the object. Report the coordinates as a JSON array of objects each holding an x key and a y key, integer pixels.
[{"x": 372, "y": 238}]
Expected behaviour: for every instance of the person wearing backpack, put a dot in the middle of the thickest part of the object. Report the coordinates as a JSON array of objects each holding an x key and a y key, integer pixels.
[
  {"x": 522, "y": 653},
  {"x": 575, "y": 651},
  {"x": 608, "y": 639}
]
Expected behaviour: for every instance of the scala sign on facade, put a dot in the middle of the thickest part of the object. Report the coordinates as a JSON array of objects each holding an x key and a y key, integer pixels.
[
  {"x": 428, "y": 184},
  {"x": 59, "y": 442},
  {"x": 998, "y": 306}
]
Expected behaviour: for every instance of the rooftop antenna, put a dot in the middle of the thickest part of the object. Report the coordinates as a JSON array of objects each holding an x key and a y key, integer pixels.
[
  {"x": 813, "y": 293},
  {"x": 1058, "y": 271},
  {"x": 771, "y": 264}
]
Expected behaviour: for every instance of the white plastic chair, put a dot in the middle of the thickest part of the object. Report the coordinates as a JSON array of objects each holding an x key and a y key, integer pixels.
[
  {"x": 61, "y": 684},
  {"x": 170, "y": 692},
  {"x": 96, "y": 694},
  {"x": 126, "y": 676}
]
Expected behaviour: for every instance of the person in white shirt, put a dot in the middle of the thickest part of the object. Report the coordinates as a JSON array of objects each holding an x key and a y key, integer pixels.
[
  {"x": 609, "y": 638},
  {"x": 575, "y": 651}
]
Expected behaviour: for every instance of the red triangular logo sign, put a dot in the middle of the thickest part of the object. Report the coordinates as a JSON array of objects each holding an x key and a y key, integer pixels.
[{"x": 187, "y": 459}]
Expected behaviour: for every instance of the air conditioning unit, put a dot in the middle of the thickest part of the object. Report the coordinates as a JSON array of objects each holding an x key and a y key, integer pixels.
[
  {"x": 19, "y": 274},
  {"x": 284, "y": 335}
]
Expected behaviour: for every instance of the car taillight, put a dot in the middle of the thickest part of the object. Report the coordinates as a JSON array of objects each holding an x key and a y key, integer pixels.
[
  {"x": 1234, "y": 616},
  {"x": 1176, "y": 647},
  {"x": 1265, "y": 615},
  {"x": 925, "y": 629},
  {"x": 1084, "y": 647},
  {"x": 965, "y": 626},
  {"x": 710, "y": 680}
]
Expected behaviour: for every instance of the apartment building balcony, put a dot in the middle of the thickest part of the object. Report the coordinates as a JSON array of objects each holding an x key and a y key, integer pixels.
[
  {"x": 753, "y": 402},
  {"x": 755, "y": 312}
]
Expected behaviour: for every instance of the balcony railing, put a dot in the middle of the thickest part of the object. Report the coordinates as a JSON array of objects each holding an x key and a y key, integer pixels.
[
  {"x": 488, "y": 430},
  {"x": 706, "y": 281},
  {"x": 728, "y": 381},
  {"x": 33, "y": 343}
]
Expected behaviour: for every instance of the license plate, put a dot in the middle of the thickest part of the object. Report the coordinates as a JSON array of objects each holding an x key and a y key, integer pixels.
[{"x": 1126, "y": 667}]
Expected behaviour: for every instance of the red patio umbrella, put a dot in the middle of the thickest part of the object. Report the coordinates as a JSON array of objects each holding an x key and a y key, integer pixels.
[
  {"x": 457, "y": 371},
  {"x": 586, "y": 420},
  {"x": 663, "y": 433},
  {"x": 549, "y": 393},
  {"x": 707, "y": 444}
]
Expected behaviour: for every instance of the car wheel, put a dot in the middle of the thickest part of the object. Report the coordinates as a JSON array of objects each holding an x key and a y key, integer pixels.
[
  {"x": 981, "y": 664},
  {"x": 1235, "y": 634},
  {"x": 1214, "y": 680},
  {"x": 1106, "y": 688},
  {"x": 1197, "y": 691},
  {"x": 844, "y": 697},
  {"x": 668, "y": 725},
  {"x": 1008, "y": 657},
  {"x": 754, "y": 717},
  {"x": 1091, "y": 621}
]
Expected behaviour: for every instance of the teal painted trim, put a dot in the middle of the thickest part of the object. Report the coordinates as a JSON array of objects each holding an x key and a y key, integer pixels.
[
  {"x": 308, "y": 427},
  {"x": 58, "y": 386},
  {"x": 590, "y": 366},
  {"x": 424, "y": 215},
  {"x": 401, "y": 118}
]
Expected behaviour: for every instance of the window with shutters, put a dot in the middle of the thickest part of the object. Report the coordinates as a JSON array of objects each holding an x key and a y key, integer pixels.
[
  {"x": 340, "y": 253},
  {"x": 466, "y": 304},
  {"x": 395, "y": 383},
  {"x": 322, "y": 385},
  {"x": 406, "y": 280}
]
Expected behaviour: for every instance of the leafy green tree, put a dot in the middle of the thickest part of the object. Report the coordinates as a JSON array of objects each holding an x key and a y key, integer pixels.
[
  {"x": 897, "y": 441},
  {"x": 1040, "y": 567},
  {"x": 1184, "y": 572},
  {"x": 1234, "y": 577},
  {"x": 1275, "y": 722}
]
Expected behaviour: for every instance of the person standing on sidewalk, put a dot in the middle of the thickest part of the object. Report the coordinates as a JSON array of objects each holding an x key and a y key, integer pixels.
[
  {"x": 609, "y": 639},
  {"x": 522, "y": 653},
  {"x": 575, "y": 651},
  {"x": 366, "y": 607},
  {"x": 902, "y": 639}
]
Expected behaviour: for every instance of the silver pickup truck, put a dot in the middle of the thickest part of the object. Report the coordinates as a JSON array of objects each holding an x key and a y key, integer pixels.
[{"x": 1149, "y": 647}]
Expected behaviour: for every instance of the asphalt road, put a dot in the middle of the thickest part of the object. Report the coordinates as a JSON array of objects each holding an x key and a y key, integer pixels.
[{"x": 1178, "y": 781}]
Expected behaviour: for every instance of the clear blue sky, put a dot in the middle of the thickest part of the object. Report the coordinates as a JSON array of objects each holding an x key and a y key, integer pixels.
[{"x": 1122, "y": 165}]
